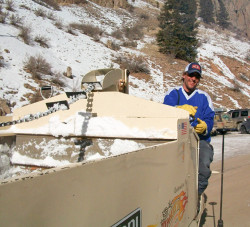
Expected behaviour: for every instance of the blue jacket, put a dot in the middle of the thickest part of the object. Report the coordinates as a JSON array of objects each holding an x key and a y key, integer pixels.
[{"x": 198, "y": 98}]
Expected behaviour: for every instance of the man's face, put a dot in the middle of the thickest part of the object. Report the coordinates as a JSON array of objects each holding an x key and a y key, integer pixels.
[{"x": 190, "y": 82}]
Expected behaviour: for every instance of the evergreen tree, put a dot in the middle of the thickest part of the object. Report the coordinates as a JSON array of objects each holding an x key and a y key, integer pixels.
[
  {"x": 207, "y": 11},
  {"x": 177, "y": 33},
  {"x": 223, "y": 15}
]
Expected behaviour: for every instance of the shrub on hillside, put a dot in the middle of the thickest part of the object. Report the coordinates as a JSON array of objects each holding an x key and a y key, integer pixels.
[
  {"x": 40, "y": 13},
  {"x": 134, "y": 33},
  {"x": 80, "y": 2},
  {"x": 25, "y": 34},
  {"x": 43, "y": 41},
  {"x": 10, "y": 5},
  {"x": 56, "y": 79},
  {"x": 15, "y": 20},
  {"x": 51, "y": 16},
  {"x": 87, "y": 29},
  {"x": 58, "y": 23},
  {"x": 1, "y": 61},
  {"x": 129, "y": 44},
  {"x": 37, "y": 66},
  {"x": 3, "y": 17},
  {"x": 244, "y": 77},
  {"x": 144, "y": 16},
  {"x": 117, "y": 34},
  {"x": 236, "y": 87},
  {"x": 24, "y": 7},
  {"x": 134, "y": 65},
  {"x": 130, "y": 8},
  {"x": 70, "y": 30},
  {"x": 112, "y": 45},
  {"x": 248, "y": 57},
  {"x": 48, "y": 4}
]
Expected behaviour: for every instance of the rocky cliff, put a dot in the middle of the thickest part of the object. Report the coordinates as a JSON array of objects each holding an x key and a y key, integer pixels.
[
  {"x": 105, "y": 3},
  {"x": 239, "y": 13},
  {"x": 238, "y": 10},
  {"x": 239, "y": 16}
]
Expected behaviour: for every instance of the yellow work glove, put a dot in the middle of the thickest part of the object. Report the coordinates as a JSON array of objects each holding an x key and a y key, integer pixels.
[
  {"x": 201, "y": 127},
  {"x": 191, "y": 109}
]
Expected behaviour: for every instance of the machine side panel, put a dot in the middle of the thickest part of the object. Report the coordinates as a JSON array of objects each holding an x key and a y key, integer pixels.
[{"x": 157, "y": 180}]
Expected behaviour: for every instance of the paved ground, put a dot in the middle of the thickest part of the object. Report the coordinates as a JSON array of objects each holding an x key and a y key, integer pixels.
[{"x": 236, "y": 193}]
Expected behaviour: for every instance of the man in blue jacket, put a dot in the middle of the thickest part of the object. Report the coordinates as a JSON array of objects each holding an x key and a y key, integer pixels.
[{"x": 199, "y": 105}]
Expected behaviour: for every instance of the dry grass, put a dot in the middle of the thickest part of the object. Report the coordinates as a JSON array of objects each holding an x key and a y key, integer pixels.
[
  {"x": 24, "y": 7},
  {"x": 222, "y": 95},
  {"x": 134, "y": 33},
  {"x": 142, "y": 76},
  {"x": 87, "y": 29},
  {"x": 58, "y": 23},
  {"x": 48, "y": 3},
  {"x": 117, "y": 34},
  {"x": 70, "y": 30},
  {"x": 43, "y": 41},
  {"x": 241, "y": 73},
  {"x": 15, "y": 20},
  {"x": 130, "y": 44},
  {"x": 37, "y": 66},
  {"x": 133, "y": 64},
  {"x": 1, "y": 61},
  {"x": 236, "y": 86},
  {"x": 25, "y": 34},
  {"x": 79, "y": 2},
  {"x": 51, "y": 16},
  {"x": 40, "y": 13},
  {"x": 113, "y": 45},
  {"x": 57, "y": 79},
  {"x": 10, "y": 5},
  {"x": 3, "y": 17}
]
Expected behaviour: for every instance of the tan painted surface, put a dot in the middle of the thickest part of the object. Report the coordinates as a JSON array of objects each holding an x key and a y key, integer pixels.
[
  {"x": 103, "y": 192},
  {"x": 160, "y": 180},
  {"x": 132, "y": 111},
  {"x": 36, "y": 107}
]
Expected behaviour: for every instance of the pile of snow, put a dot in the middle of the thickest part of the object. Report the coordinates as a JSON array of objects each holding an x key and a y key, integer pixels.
[{"x": 82, "y": 124}]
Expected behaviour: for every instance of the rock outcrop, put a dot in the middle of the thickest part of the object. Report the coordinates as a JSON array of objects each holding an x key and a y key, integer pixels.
[
  {"x": 4, "y": 108},
  {"x": 239, "y": 14},
  {"x": 105, "y": 3}
]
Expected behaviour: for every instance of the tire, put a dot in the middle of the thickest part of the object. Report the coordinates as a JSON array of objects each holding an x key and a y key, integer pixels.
[{"x": 243, "y": 129}]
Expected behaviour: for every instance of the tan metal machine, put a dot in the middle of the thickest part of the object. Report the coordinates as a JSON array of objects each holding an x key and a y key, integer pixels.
[{"x": 154, "y": 185}]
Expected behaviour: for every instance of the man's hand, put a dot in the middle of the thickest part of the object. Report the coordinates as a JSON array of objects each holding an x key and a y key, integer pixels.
[
  {"x": 201, "y": 127},
  {"x": 191, "y": 109}
]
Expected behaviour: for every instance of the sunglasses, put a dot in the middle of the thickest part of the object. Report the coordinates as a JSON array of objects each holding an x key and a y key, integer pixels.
[{"x": 196, "y": 75}]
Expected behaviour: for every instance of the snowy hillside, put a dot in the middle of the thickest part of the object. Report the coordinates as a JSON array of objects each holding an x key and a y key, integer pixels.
[{"x": 227, "y": 84}]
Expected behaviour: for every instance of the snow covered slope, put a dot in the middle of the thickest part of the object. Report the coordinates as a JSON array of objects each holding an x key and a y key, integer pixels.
[{"x": 225, "y": 59}]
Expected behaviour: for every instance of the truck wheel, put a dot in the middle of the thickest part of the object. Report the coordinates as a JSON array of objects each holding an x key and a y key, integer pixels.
[{"x": 243, "y": 129}]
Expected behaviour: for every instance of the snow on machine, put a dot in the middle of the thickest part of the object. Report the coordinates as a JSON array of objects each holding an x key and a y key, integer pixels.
[{"x": 102, "y": 158}]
